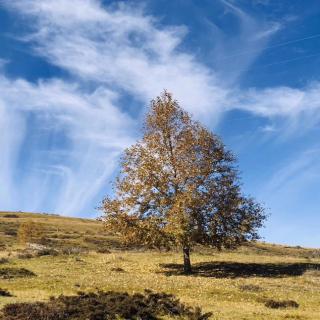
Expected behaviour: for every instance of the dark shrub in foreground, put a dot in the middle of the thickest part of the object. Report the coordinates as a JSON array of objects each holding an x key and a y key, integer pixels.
[
  {"x": 273, "y": 304},
  {"x": 104, "y": 306}
]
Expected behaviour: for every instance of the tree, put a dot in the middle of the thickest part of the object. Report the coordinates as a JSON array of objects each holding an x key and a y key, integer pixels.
[
  {"x": 29, "y": 231},
  {"x": 178, "y": 186}
]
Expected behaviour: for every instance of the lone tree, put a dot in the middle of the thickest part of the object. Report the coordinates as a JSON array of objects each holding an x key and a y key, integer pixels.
[{"x": 178, "y": 186}]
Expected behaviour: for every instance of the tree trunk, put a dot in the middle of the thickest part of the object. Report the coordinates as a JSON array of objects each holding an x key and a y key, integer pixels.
[{"x": 186, "y": 260}]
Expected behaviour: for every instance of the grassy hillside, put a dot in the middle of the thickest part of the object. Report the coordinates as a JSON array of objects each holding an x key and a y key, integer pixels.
[{"x": 231, "y": 284}]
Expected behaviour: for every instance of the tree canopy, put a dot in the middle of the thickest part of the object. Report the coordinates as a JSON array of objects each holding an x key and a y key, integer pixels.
[{"x": 179, "y": 186}]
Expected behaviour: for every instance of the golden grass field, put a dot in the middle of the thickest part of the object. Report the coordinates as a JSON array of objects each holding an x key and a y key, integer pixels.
[{"x": 231, "y": 284}]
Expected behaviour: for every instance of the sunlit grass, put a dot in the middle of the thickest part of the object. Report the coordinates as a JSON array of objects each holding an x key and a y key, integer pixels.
[{"x": 224, "y": 296}]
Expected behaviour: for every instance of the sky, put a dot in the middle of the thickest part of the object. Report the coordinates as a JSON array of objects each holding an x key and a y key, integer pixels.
[{"x": 76, "y": 78}]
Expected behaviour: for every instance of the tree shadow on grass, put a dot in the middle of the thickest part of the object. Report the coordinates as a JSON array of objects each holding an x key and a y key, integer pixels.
[{"x": 221, "y": 269}]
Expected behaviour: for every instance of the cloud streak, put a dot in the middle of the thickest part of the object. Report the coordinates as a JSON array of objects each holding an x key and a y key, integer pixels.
[
  {"x": 297, "y": 108},
  {"x": 67, "y": 140}
]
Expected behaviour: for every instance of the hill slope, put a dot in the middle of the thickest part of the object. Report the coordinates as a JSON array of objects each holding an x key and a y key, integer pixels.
[
  {"x": 61, "y": 232},
  {"x": 231, "y": 284}
]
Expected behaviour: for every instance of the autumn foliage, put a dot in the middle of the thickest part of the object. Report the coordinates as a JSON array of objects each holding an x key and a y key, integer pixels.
[
  {"x": 179, "y": 186},
  {"x": 29, "y": 231}
]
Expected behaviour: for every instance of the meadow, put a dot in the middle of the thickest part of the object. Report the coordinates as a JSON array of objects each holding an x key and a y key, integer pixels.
[{"x": 243, "y": 284}]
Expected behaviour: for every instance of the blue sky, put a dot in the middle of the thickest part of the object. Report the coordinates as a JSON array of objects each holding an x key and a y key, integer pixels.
[{"x": 77, "y": 76}]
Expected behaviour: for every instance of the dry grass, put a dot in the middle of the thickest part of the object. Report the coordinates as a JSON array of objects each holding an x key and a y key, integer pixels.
[{"x": 218, "y": 285}]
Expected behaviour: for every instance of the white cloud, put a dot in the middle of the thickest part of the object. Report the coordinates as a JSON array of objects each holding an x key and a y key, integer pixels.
[
  {"x": 69, "y": 142},
  {"x": 235, "y": 52},
  {"x": 297, "y": 107},
  {"x": 12, "y": 133},
  {"x": 73, "y": 128},
  {"x": 121, "y": 48}
]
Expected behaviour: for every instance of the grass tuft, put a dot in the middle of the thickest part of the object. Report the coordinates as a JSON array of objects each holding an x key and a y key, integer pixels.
[
  {"x": 250, "y": 287},
  {"x": 274, "y": 304},
  {"x": 4, "y": 260},
  {"x": 10, "y": 273}
]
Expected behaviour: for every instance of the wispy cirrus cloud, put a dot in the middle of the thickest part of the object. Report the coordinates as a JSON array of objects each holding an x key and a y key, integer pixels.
[
  {"x": 123, "y": 48},
  {"x": 233, "y": 53},
  {"x": 289, "y": 178},
  {"x": 297, "y": 108},
  {"x": 72, "y": 129},
  {"x": 59, "y": 144}
]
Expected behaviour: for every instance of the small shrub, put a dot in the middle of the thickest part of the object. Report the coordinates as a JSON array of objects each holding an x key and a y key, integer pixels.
[
  {"x": 47, "y": 252},
  {"x": 105, "y": 305},
  {"x": 73, "y": 250},
  {"x": 25, "y": 255},
  {"x": 10, "y": 215},
  {"x": 97, "y": 241},
  {"x": 5, "y": 293},
  {"x": 4, "y": 260},
  {"x": 273, "y": 304},
  {"x": 117, "y": 269},
  {"x": 45, "y": 241},
  {"x": 103, "y": 250},
  {"x": 9, "y": 273},
  {"x": 67, "y": 236},
  {"x": 80, "y": 260},
  {"x": 250, "y": 287},
  {"x": 10, "y": 232}
]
